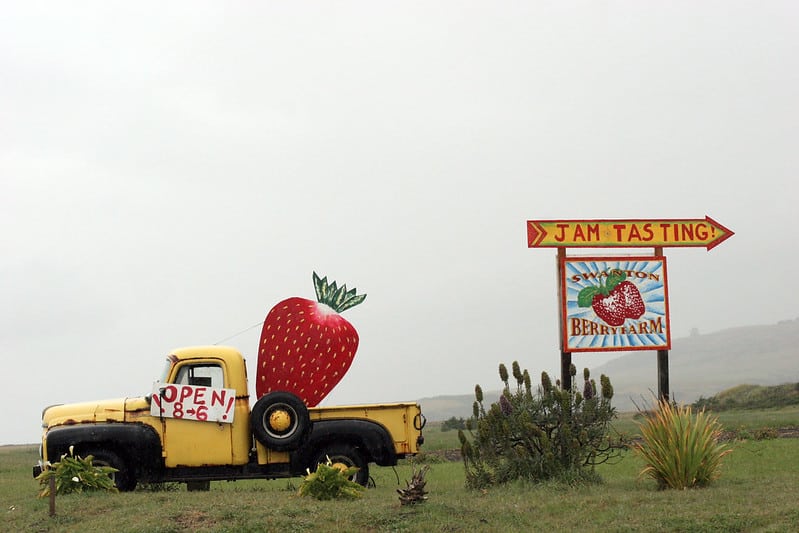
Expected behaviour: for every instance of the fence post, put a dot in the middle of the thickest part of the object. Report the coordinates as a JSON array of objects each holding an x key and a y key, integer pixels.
[{"x": 52, "y": 496}]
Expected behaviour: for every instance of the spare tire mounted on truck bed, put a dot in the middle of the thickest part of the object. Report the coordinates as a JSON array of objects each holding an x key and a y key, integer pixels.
[{"x": 280, "y": 421}]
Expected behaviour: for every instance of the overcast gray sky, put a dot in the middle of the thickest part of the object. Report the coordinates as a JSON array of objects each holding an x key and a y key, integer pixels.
[{"x": 169, "y": 171}]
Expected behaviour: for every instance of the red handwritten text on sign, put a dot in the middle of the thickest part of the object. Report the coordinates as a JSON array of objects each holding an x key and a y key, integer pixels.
[
  {"x": 626, "y": 233},
  {"x": 191, "y": 402}
]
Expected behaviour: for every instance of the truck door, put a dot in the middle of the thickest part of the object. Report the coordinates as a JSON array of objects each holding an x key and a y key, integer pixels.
[{"x": 194, "y": 442}]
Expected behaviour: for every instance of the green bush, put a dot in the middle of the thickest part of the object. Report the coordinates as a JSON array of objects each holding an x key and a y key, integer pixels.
[
  {"x": 764, "y": 433},
  {"x": 453, "y": 423},
  {"x": 330, "y": 482},
  {"x": 680, "y": 448},
  {"x": 551, "y": 434},
  {"x": 429, "y": 457},
  {"x": 76, "y": 474}
]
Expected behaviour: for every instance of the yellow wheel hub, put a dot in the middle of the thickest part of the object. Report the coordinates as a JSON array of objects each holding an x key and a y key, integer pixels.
[
  {"x": 340, "y": 466},
  {"x": 279, "y": 420}
]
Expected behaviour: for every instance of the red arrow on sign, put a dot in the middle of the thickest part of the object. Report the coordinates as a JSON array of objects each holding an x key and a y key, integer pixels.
[{"x": 626, "y": 233}]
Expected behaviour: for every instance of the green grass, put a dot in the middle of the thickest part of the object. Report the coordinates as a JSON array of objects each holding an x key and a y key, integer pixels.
[
  {"x": 758, "y": 418},
  {"x": 757, "y": 491},
  {"x": 435, "y": 439}
]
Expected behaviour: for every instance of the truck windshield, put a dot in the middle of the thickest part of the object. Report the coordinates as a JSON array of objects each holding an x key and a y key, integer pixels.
[{"x": 165, "y": 371}]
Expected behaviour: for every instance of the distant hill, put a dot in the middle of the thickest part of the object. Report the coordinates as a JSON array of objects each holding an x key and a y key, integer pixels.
[
  {"x": 752, "y": 397},
  {"x": 699, "y": 365}
]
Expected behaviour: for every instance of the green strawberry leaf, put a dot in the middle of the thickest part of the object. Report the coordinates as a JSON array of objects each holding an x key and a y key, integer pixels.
[
  {"x": 586, "y": 296},
  {"x": 338, "y": 298},
  {"x": 614, "y": 278},
  {"x": 320, "y": 287},
  {"x": 351, "y": 302}
]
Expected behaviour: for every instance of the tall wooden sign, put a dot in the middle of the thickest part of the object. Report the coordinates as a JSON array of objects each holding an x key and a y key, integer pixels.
[{"x": 618, "y": 303}]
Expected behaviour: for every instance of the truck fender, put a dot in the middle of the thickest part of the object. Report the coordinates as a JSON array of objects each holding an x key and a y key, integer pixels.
[
  {"x": 372, "y": 439},
  {"x": 137, "y": 444}
]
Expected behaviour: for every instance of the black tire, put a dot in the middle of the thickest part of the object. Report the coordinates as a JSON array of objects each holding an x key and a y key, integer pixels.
[
  {"x": 347, "y": 455},
  {"x": 124, "y": 478},
  {"x": 277, "y": 408}
]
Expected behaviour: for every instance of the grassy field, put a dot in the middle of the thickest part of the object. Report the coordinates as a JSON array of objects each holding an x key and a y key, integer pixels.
[{"x": 758, "y": 491}]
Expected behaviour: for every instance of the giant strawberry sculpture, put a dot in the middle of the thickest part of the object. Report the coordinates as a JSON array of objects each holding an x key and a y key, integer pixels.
[
  {"x": 306, "y": 346},
  {"x": 614, "y": 301}
]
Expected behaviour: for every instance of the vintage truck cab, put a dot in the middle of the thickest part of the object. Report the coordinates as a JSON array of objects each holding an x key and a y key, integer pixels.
[{"x": 197, "y": 426}]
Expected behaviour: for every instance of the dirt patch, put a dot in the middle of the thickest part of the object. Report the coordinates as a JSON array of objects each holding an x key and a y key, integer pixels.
[
  {"x": 761, "y": 434},
  {"x": 789, "y": 432},
  {"x": 194, "y": 520}
]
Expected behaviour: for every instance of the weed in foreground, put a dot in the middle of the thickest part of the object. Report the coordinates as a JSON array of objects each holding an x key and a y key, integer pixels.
[
  {"x": 331, "y": 481},
  {"x": 76, "y": 474}
]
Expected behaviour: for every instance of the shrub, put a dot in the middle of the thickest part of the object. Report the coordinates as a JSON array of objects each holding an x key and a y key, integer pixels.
[
  {"x": 680, "y": 448},
  {"x": 552, "y": 434},
  {"x": 766, "y": 434},
  {"x": 331, "y": 481},
  {"x": 76, "y": 474},
  {"x": 430, "y": 457},
  {"x": 453, "y": 423}
]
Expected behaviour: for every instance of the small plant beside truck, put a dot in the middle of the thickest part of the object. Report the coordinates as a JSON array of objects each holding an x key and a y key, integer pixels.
[{"x": 197, "y": 426}]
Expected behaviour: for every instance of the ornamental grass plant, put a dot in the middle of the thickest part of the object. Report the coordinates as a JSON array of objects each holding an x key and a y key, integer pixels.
[{"x": 680, "y": 448}]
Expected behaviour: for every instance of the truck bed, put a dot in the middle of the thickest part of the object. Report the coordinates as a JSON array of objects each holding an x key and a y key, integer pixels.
[{"x": 401, "y": 419}]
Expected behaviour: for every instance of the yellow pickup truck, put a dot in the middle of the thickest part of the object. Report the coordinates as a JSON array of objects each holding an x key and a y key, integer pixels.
[{"x": 196, "y": 426}]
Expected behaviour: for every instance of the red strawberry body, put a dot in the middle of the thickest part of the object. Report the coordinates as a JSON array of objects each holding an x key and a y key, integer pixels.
[
  {"x": 610, "y": 308},
  {"x": 622, "y": 302},
  {"x": 306, "y": 347},
  {"x": 633, "y": 303}
]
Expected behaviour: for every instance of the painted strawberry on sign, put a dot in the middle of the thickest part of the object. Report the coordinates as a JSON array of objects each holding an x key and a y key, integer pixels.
[
  {"x": 614, "y": 301},
  {"x": 306, "y": 346}
]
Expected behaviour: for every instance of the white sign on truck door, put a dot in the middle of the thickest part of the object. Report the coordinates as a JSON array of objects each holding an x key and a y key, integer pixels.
[{"x": 193, "y": 402}]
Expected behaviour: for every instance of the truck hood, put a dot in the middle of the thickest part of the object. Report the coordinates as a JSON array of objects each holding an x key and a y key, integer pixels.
[{"x": 91, "y": 412}]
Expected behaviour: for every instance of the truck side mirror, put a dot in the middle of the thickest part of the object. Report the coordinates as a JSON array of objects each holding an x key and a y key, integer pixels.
[{"x": 161, "y": 402}]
